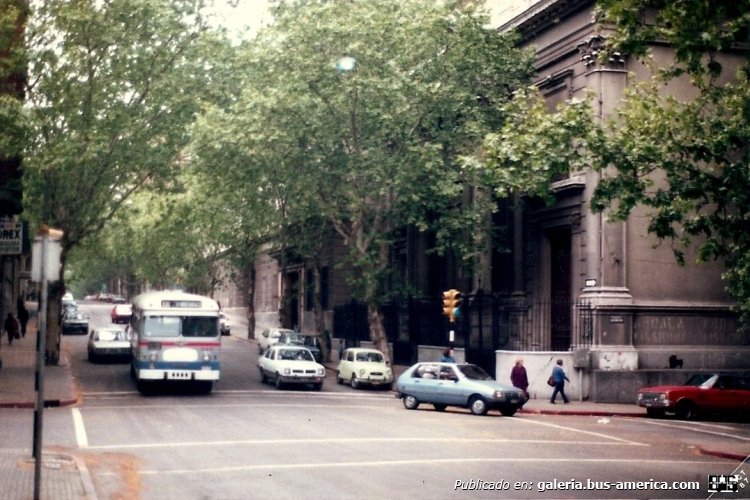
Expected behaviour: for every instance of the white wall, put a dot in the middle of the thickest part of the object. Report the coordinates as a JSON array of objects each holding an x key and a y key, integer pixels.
[{"x": 538, "y": 369}]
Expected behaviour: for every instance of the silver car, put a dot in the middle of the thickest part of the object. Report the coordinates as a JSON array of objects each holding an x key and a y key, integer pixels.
[
  {"x": 109, "y": 342},
  {"x": 450, "y": 384}
]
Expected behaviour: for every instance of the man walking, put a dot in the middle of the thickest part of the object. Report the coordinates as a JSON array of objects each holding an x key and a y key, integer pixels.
[{"x": 558, "y": 378}]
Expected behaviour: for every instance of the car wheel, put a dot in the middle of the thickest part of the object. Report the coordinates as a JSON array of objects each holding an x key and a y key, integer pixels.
[
  {"x": 685, "y": 410},
  {"x": 354, "y": 382},
  {"x": 279, "y": 383},
  {"x": 91, "y": 356},
  {"x": 263, "y": 378},
  {"x": 339, "y": 380},
  {"x": 440, "y": 407},
  {"x": 478, "y": 405},
  {"x": 318, "y": 387},
  {"x": 508, "y": 412},
  {"x": 410, "y": 402},
  {"x": 260, "y": 349},
  {"x": 655, "y": 412}
]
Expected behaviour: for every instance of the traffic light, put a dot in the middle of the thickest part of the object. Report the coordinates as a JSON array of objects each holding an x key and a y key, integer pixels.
[{"x": 451, "y": 303}]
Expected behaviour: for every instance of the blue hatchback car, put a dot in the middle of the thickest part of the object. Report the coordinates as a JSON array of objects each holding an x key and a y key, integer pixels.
[{"x": 450, "y": 384}]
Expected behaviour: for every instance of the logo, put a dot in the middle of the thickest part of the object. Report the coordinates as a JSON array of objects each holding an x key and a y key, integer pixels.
[{"x": 723, "y": 483}]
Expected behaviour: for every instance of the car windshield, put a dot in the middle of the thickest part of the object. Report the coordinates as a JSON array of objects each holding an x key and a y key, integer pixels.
[
  {"x": 174, "y": 326},
  {"x": 371, "y": 357},
  {"x": 111, "y": 335},
  {"x": 473, "y": 372},
  {"x": 312, "y": 341},
  {"x": 295, "y": 355},
  {"x": 702, "y": 380}
]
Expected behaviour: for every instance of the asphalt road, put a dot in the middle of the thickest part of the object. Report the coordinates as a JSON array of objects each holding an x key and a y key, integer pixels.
[{"x": 249, "y": 440}]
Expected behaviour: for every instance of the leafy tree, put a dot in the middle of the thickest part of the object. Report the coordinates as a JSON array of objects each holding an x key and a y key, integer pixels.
[
  {"x": 699, "y": 147},
  {"x": 370, "y": 147},
  {"x": 112, "y": 88},
  {"x": 686, "y": 160}
]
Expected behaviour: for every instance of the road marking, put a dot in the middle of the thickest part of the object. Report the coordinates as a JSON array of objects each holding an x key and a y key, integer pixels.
[
  {"x": 398, "y": 463},
  {"x": 233, "y": 392},
  {"x": 352, "y": 440},
  {"x": 80, "y": 429},
  {"x": 232, "y": 405},
  {"x": 579, "y": 431},
  {"x": 697, "y": 429}
]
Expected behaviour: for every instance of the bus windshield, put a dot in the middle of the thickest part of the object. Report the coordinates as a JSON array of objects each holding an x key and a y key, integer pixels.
[{"x": 175, "y": 326}]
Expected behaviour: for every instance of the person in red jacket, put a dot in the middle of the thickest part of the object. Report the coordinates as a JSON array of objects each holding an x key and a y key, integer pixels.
[{"x": 518, "y": 376}]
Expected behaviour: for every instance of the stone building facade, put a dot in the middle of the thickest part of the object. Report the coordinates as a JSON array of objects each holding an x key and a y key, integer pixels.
[{"x": 566, "y": 283}]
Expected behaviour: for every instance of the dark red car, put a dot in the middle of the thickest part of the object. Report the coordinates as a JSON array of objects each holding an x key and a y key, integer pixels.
[
  {"x": 121, "y": 313},
  {"x": 703, "y": 393}
]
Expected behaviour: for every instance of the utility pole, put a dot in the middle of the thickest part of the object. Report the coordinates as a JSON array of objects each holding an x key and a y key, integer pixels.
[{"x": 45, "y": 267}]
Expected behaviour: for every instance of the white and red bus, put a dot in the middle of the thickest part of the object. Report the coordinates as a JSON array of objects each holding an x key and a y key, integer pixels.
[{"x": 174, "y": 336}]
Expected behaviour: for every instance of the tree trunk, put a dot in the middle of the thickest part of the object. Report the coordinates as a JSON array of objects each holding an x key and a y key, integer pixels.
[
  {"x": 249, "y": 289},
  {"x": 319, "y": 321},
  {"x": 55, "y": 292},
  {"x": 377, "y": 330}
]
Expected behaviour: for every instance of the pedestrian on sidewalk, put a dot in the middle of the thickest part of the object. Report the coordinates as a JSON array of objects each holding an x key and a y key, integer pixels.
[
  {"x": 11, "y": 326},
  {"x": 23, "y": 316},
  {"x": 519, "y": 378},
  {"x": 558, "y": 378}
]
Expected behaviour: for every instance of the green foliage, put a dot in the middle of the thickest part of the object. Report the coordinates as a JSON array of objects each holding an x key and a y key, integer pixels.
[
  {"x": 113, "y": 87},
  {"x": 534, "y": 147},
  {"x": 366, "y": 151},
  {"x": 687, "y": 161}
]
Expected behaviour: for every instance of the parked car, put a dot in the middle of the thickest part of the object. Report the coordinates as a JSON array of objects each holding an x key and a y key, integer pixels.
[
  {"x": 75, "y": 322},
  {"x": 291, "y": 364},
  {"x": 224, "y": 324},
  {"x": 718, "y": 393},
  {"x": 450, "y": 384},
  {"x": 118, "y": 299},
  {"x": 312, "y": 342},
  {"x": 121, "y": 313},
  {"x": 269, "y": 337},
  {"x": 360, "y": 366},
  {"x": 109, "y": 342}
]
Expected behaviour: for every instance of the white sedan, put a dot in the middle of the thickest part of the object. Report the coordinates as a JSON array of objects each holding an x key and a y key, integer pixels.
[
  {"x": 269, "y": 337},
  {"x": 108, "y": 342},
  {"x": 291, "y": 364},
  {"x": 360, "y": 366}
]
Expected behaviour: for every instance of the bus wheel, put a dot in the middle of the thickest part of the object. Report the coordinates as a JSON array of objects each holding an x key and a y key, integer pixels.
[
  {"x": 144, "y": 387},
  {"x": 204, "y": 386}
]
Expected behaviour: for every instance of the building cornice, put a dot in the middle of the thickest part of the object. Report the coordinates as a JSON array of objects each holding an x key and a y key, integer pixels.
[{"x": 542, "y": 15}]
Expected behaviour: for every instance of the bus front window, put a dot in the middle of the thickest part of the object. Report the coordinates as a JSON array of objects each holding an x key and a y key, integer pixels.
[
  {"x": 196, "y": 326},
  {"x": 161, "y": 326}
]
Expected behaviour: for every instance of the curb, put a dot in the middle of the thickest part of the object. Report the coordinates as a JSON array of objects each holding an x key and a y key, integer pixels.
[
  {"x": 583, "y": 413},
  {"x": 723, "y": 454},
  {"x": 48, "y": 403}
]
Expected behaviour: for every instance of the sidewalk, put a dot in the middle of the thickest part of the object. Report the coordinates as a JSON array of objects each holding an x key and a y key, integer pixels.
[{"x": 63, "y": 476}]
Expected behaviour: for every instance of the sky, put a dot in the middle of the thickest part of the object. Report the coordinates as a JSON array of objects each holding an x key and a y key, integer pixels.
[
  {"x": 250, "y": 14},
  {"x": 253, "y": 14}
]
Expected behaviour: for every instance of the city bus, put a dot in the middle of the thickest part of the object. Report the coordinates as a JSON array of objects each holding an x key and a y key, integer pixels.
[{"x": 174, "y": 336}]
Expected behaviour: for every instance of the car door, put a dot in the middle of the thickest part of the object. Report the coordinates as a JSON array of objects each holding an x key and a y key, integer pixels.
[
  {"x": 424, "y": 383},
  {"x": 449, "y": 387},
  {"x": 345, "y": 365}
]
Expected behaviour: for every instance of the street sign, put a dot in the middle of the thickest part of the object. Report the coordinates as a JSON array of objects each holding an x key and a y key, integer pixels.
[{"x": 11, "y": 238}]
